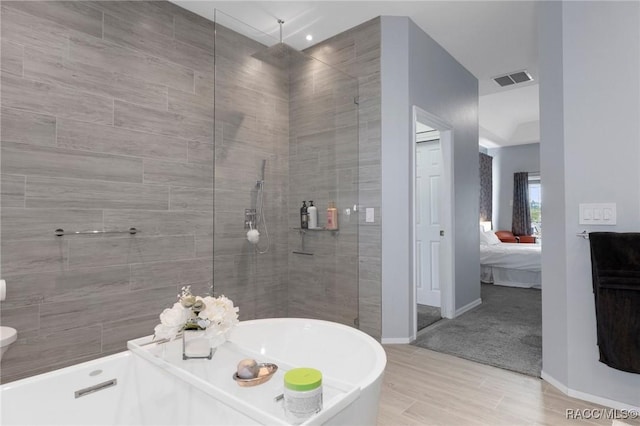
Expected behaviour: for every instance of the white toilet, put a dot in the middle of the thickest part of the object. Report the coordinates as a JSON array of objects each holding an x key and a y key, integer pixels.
[{"x": 8, "y": 335}]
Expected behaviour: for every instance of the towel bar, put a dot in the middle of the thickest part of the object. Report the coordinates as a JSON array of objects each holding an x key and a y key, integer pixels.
[
  {"x": 60, "y": 232},
  {"x": 583, "y": 234}
]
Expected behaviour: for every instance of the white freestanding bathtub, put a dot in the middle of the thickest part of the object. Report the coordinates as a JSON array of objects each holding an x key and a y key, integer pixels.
[{"x": 150, "y": 384}]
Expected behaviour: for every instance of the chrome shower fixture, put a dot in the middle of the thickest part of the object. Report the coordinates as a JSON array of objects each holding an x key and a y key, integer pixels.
[
  {"x": 280, "y": 22},
  {"x": 250, "y": 219}
]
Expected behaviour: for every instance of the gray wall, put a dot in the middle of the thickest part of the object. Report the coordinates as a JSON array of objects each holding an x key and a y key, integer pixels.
[
  {"x": 105, "y": 124},
  {"x": 252, "y": 125},
  {"x": 417, "y": 71},
  {"x": 357, "y": 52},
  {"x": 306, "y": 125},
  {"x": 130, "y": 88},
  {"x": 552, "y": 154},
  {"x": 600, "y": 42},
  {"x": 506, "y": 162},
  {"x": 323, "y": 157}
]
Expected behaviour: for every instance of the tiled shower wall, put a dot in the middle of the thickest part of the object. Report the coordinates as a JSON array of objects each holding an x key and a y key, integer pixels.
[
  {"x": 107, "y": 123},
  {"x": 252, "y": 126},
  {"x": 323, "y": 265},
  {"x": 357, "y": 52}
]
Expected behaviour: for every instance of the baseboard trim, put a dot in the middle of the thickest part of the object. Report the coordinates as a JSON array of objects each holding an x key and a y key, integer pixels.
[
  {"x": 469, "y": 306},
  {"x": 395, "y": 340},
  {"x": 555, "y": 383},
  {"x": 587, "y": 396}
]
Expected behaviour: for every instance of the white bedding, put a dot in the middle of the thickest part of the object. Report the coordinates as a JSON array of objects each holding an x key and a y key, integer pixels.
[{"x": 512, "y": 256}]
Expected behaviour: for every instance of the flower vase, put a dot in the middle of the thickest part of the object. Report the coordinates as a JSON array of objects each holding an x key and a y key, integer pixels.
[{"x": 196, "y": 345}]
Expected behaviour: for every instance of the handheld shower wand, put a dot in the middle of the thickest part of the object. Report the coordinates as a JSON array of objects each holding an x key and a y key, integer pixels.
[{"x": 253, "y": 235}]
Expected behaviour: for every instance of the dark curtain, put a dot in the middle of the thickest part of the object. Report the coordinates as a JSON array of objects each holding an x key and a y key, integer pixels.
[
  {"x": 486, "y": 191},
  {"x": 521, "y": 219}
]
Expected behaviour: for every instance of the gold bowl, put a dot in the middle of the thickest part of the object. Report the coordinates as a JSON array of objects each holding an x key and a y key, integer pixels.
[{"x": 266, "y": 371}]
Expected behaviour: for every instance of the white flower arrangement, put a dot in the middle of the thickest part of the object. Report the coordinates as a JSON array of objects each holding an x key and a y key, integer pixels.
[{"x": 216, "y": 315}]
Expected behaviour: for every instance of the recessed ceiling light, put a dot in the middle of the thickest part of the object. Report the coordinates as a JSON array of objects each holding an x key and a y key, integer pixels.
[{"x": 309, "y": 37}]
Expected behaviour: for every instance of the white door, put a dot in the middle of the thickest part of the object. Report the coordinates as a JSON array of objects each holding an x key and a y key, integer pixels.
[{"x": 428, "y": 172}]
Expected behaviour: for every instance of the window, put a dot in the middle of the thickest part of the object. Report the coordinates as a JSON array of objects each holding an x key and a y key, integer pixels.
[{"x": 535, "y": 204}]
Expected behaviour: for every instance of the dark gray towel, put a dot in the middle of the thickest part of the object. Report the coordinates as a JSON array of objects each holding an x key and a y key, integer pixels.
[{"x": 615, "y": 266}]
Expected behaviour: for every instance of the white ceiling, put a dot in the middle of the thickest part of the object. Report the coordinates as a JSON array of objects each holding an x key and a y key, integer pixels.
[
  {"x": 489, "y": 38},
  {"x": 510, "y": 117}
]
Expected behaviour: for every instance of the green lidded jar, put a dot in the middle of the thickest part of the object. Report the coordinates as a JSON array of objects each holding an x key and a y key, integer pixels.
[{"x": 302, "y": 394}]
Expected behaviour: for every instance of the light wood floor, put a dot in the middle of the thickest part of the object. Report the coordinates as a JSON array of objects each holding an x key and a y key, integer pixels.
[{"x": 422, "y": 387}]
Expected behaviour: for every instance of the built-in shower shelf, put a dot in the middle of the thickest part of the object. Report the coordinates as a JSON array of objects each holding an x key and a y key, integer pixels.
[
  {"x": 302, "y": 252},
  {"x": 304, "y": 230}
]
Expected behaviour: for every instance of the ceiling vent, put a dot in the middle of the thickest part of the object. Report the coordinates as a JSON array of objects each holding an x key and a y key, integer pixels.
[{"x": 513, "y": 78}]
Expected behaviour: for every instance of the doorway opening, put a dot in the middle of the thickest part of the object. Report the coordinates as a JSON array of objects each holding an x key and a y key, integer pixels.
[
  {"x": 427, "y": 223},
  {"x": 432, "y": 228}
]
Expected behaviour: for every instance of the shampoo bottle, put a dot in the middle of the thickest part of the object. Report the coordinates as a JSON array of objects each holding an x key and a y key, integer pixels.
[
  {"x": 332, "y": 216},
  {"x": 313, "y": 215},
  {"x": 304, "y": 216}
]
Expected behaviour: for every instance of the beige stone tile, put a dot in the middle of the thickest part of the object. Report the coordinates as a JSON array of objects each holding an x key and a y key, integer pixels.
[
  {"x": 149, "y": 120},
  {"x": 202, "y": 153},
  {"x": 195, "y": 30},
  {"x": 131, "y": 249},
  {"x": 40, "y": 224},
  {"x": 87, "y": 194},
  {"x": 11, "y": 57},
  {"x": 26, "y": 127},
  {"x": 28, "y": 30},
  {"x": 133, "y": 36},
  {"x": 112, "y": 140},
  {"x": 89, "y": 78},
  {"x": 51, "y": 99},
  {"x": 115, "y": 334},
  {"x": 75, "y": 15},
  {"x": 452, "y": 391},
  {"x": 31, "y": 160},
  {"x": 12, "y": 190},
  {"x": 96, "y": 310},
  {"x": 33, "y": 256},
  {"x": 26, "y": 321},
  {"x": 159, "y": 223},
  {"x": 185, "y": 198},
  {"x": 150, "y": 15},
  {"x": 190, "y": 105},
  {"x": 27, "y": 356},
  {"x": 178, "y": 174},
  {"x": 56, "y": 286},
  {"x": 178, "y": 273},
  {"x": 117, "y": 58}
]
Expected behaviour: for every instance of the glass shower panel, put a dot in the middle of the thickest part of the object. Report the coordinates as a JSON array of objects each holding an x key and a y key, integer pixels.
[
  {"x": 286, "y": 130},
  {"x": 251, "y": 146},
  {"x": 323, "y": 167}
]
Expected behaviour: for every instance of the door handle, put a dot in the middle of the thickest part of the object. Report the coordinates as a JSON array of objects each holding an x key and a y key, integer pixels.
[{"x": 442, "y": 232}]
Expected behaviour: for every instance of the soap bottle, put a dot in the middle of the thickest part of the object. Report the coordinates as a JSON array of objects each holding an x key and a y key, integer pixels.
[
  {"x": 332, "y": 216},
  {"x": 304, "y": 216},
  {"x": 312, "y": 212}
]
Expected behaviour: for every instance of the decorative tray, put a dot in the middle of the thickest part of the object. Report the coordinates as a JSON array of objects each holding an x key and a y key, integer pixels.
[{"x": 267, "y": 370}]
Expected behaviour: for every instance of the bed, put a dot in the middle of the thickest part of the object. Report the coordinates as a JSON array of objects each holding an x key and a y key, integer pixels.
[{"x": 509, "y": 264}]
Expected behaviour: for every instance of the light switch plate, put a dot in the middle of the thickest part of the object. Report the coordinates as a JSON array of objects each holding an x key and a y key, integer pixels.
[
  {"x": 369, "y": 215},
  {"x": 597, "y": 214}
]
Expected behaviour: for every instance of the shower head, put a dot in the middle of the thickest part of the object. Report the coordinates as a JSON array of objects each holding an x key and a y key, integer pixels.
[
  {"x": 263, "y": 168},
  {"x": 279, "y": 55}
]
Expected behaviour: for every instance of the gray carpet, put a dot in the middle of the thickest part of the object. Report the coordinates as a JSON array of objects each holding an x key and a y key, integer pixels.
[
  {"x": 427, "y": 315},
  {"x": 504, "y": 331}
]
